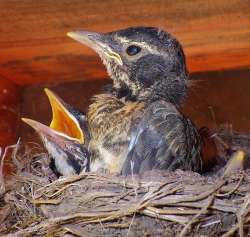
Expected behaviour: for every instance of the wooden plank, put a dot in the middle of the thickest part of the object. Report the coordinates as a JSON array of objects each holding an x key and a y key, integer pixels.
[
  {"x": 9, "y": 116},
  {"x": 34, "y": 47},
  {"x": 9, "y": 112},
  {"x": 214, "y": 93}
]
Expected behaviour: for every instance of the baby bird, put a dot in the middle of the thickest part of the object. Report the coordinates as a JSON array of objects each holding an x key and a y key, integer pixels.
[
  {"x": 67, "y": 137},
  {"x": 136, "y": 125}
]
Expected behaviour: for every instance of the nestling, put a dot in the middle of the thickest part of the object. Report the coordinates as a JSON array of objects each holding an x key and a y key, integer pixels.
[
  {"x": 136, "y": 125},
  {"x": 67, "y": 137}
]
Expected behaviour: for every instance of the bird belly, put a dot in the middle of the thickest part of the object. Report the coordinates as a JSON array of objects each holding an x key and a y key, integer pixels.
[
  {"x": 108, "y": 159},
  {"x": 110, "y": 121}
]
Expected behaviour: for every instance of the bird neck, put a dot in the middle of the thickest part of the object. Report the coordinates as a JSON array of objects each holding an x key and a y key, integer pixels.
[{"x": 107, "y": 111}]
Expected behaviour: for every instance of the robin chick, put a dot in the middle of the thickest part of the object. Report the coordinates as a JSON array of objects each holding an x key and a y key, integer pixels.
[
  {"x": 136, "y": 126},
  {"x": 67, "y": 137}
]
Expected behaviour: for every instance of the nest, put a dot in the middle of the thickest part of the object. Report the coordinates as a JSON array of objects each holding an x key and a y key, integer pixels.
[{"x": 157, "y": 203}]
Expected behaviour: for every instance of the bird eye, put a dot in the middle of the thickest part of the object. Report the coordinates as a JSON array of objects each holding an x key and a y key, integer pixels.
[{"x": 133, "y": 50}]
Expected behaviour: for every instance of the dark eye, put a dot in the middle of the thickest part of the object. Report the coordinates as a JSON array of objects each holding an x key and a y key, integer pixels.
[{"x": 133, "y": 50}]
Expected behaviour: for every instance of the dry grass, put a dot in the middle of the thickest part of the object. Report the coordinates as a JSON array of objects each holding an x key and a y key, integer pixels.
[{"x": 157, "y": 203}]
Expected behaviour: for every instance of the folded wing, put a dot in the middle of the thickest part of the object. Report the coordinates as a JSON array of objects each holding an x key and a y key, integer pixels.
[{"x": 163, "y": 139}]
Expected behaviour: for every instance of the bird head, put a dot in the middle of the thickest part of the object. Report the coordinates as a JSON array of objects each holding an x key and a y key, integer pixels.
[
  {"x": 66, "y": 137},
  {"x": 145, "y": 62}
]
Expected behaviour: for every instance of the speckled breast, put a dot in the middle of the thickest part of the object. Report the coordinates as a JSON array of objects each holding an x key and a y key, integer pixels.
[{"x": 110, "y": 121}]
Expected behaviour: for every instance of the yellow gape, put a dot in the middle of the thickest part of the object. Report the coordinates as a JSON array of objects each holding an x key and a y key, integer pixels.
[{"x": 62, "y": 120}]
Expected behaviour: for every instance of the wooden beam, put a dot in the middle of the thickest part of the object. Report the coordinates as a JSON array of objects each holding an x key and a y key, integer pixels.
[
  {"x": 9, "y": 116},
  {"x": 35, "y": 49}
]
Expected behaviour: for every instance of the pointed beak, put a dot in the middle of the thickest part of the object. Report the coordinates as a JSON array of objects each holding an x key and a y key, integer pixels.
[
  {"x": 72, "y": 157},
  {"x": 63, "y": 121},
  {"x": 45, "y": 131},
  {"x": 90, "y": 39},
  {"x": 63, "y": 125},
  {"x": 98, "y": 42}
]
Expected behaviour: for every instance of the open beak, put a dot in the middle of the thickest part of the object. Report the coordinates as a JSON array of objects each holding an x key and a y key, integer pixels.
[
  {"x": 98, "y": 42},
  {"x": 64, "y": 139},
  {"x": 69, "y": 156},
  {"x": 63, "y": 122},
  {"x": 49, "y": 133}
]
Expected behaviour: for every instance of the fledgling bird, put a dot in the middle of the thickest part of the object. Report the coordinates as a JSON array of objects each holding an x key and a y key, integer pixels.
[
  {"x": 67, "y": 137},
  {"x": 136, "y": 126}
]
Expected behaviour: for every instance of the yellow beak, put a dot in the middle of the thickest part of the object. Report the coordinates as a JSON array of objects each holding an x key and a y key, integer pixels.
[
  {"x": 97, "y": 42},
  {"x": 63, "y": 121}
]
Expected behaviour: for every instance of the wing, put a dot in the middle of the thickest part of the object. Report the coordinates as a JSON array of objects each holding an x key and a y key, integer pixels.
[{"x": 163, "y": 139}]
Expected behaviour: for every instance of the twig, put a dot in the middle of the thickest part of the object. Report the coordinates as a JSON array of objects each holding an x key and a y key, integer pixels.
[
  {"x": 129, "y": 228},
  {"x": 231, "y": 231},
  {"x": 196, "y": 198},
  {"x": 211, "y": 223},
  {"x": 62, "y": 181},
  {"x": 14, "y": 153},
  {"x": 173, "y": 211},
  {"x": 122, "y": 225},
  {"x": 173, "y": 218},
  {"x": 3, "y": 155},
  {"x": 195, "y": 218},
  {"x": 49, "y": 201},
  {"x": 241, "y": 215},
  {"x": 233, "y": 190}
]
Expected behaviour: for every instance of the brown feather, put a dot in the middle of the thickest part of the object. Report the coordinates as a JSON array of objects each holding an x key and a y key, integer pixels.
[{"x": 110, "y": 121}]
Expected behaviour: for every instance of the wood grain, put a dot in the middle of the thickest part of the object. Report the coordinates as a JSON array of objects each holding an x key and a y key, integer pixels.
[
  {"x": 34, "y": 47},
  {"x": 9, "y": 116},
  {"x": 9, "y": 111}
]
